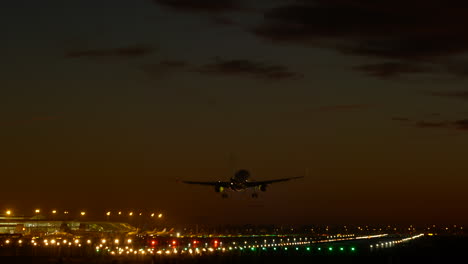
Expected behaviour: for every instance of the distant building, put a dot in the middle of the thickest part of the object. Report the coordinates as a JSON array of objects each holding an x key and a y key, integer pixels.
[{"x": 28, "y": 225}]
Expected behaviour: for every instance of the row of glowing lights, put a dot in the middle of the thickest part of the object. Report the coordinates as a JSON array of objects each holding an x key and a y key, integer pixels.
[
  {"x": 339, "y": 235},
  {"x": 392, "y": 243},
  {"x": 130, "y": 251},
  {"x": 103, "y": 242},
  {"x": 121, "y": 251},
  {"x": 127, "y": 250},
  {"x": 46, "y": 242},
  {"x": 83, "y": 213},
  {"x": 373, "y": 236},
  {"x": 273, "y": 244}
]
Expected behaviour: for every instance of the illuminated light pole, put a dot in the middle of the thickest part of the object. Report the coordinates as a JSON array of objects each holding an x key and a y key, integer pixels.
[
  {"x": 160, "y": 215},
  {"x": 37, "y": 211},
  {"x": 54, "y": 212},
  {"x": 82, "y": 213},
  {"x": 8, "y": 212}
]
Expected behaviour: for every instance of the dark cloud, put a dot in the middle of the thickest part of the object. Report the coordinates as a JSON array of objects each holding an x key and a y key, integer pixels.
[
  {"x": 461, "y": 124},
  {"x": 223, "y": 21},
  {"x": 401, "y": 119},
  {"x": 249, "y": 68},
  {"x": 165, "y": 68},
  {"x": 455, "y": 94},
  {"x": 430, "y": 124},
  {"x": 174, "y": 63},
  {"x": 125, "y": 52},
  {"x": 344, "y": 107},
  {"x": 413, "y": 32},
  {"x": 457, "y": 67},
  {"x": 212, "y": 6},
  {"x": 241, "y": 68},
  {"x": 388, "y": 70}
]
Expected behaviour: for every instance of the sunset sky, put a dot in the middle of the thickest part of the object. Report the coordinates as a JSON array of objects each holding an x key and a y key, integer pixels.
[{"x": 106, "y": 104}]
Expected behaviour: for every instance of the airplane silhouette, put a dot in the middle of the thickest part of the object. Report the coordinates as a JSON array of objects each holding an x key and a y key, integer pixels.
[{"x": 240, "y": 182}]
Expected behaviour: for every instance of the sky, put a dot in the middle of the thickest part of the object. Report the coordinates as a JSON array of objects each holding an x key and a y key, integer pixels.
[{"x": 107, "y": 105}]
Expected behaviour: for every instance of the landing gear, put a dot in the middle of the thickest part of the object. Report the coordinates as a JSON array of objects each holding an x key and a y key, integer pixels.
[
  {"x": 254, "y": 195},
  {"x": 224, "y": 195}
]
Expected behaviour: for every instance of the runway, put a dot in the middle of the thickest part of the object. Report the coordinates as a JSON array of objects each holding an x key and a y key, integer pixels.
[{"x": 201, "y": 247}]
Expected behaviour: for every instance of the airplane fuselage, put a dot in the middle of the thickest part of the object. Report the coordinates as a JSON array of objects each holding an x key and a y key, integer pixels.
[{"x": 238, "y": 182}]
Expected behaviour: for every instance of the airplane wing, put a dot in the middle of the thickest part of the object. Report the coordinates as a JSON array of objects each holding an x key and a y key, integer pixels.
[
  {"x": 260, "y": 183},
  {"x": 216, "y": 183}
]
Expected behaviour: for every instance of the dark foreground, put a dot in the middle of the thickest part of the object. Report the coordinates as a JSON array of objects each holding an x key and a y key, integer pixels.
[{"x": 425, "y": 250}]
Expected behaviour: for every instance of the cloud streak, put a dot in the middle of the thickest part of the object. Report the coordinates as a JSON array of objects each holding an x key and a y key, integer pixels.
[
  {"x": 248, "y": 68},
  {"x": 389, "y": 70},
  {"x": 207, "y": 6},
  {"x": 454, "y": 94},
  {"x": 221, "y": 67},
  {"x": 416, "y": 34},
  {"x": 461, "y": 124},
  {"x": 344, "y": 107},
  {"x": 400, "y": 119},
  {"x": 125, "y": 52},
  {"x": 165, "y": 68}
]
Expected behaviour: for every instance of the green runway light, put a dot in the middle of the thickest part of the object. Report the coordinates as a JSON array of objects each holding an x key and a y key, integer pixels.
[
  {"x": 253, "y": 249},
  {"x": 353, "y": 249},
  {"x": 297, "y": 248},
  {"x": 308, "y": 249},
  {"x": 285, "y": 248},
  {"x": 319, "y": 248},
  {"x": 341, "y": 249},
  {"x": 274, "y": 248},
  {"x": 330, "y": 248},
  {"x": 264, "y": 248}
]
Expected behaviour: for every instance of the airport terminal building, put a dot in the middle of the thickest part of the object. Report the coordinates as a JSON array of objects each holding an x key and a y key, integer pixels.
[{"x": 32, "y": 225}]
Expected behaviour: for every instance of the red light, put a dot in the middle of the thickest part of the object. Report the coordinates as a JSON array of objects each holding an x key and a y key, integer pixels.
[
  {"x": 174, "y": 242},
  {"x": 216, "y": 243},
  {"x": 153, "y": 242}
]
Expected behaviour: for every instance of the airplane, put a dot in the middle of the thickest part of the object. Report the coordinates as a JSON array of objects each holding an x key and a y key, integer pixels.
[
  {"x": 163, "y": 232},
  {"x": 240, "y": 182}
]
